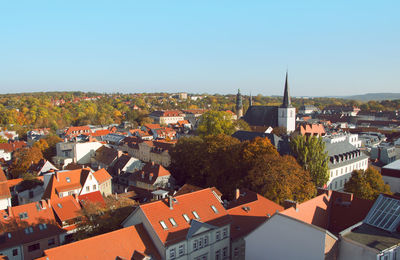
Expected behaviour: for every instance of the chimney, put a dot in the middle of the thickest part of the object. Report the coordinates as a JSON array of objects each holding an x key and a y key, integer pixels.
[
  {"x": 119, "y": 154},
  {"x": 49, "y": 203},
  {"x": 9, "y": 209},
  {"x": 43, "y": 204},
  {"x": 142, "y": 172},
  {"x": 237, "y": 193},
  {"x": 150, "y": 176},
  {"x": 290, "y": 203}
]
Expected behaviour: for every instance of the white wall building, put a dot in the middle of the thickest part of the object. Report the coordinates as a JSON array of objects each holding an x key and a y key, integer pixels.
[{"x": 71, "y": 152}]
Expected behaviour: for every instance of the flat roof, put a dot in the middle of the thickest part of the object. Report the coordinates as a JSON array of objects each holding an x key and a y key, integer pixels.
[
  {"x": 373, "y": 237},
  {"x": 394, "y": 165}
]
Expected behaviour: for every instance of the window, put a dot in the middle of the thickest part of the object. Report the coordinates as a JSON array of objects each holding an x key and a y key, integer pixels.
[
  {"x": 195, "y": 214},
  {"x": 42, "y": 226},
  {"x": 15, "y": 252},
  {"x": 87, "y": 188},
  {"x": 186, "y": 218},
  {"x": 218, "y": 235},
  {"x": 341, "y": 183},
  {"x": 225, "y": 233},
  {"x": 68, "y": 179},
  {"x": 23, "y": 215},
  {"x": 205, "y": 240},
  {"x": 164, "y": 226},
  {"x": 172, "y": 253},
  {"x": 218, "y": 255},
  {"x": 181, "y": 250},
  {"x": 31, "y": 194},
  {"x": 236, "y": 252},
  {"x": 28, "y": 230},
  {"x": 59, "y": 205},
  {"x": 94, "y": 187},
  {"x": 172, "y": 220},
  {"x": 195, "y": 245},
  {"x": 33, "y": 247},
  {"x": 51, "y": 242},
  {"x": 225, "y": 252},
  {"x": 214, "y": 209}
]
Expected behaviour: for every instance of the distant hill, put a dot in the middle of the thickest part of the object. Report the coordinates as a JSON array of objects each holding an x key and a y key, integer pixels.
[{"x": 374, "y": 96}]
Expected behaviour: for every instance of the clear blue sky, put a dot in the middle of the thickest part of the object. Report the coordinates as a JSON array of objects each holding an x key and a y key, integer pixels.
[{"x": 329, "y": 47}]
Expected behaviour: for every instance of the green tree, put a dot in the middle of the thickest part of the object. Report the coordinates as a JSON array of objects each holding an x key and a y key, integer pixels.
[
  {"x": 3, "y": 140},
  {"x": 366, "y": 184},
  {"x": 214, "y": 123},
  {"x": 310, "y": 153}
]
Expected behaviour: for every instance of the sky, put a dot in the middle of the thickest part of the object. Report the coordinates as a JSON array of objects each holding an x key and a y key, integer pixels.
[{"x": 330, "y": 48}]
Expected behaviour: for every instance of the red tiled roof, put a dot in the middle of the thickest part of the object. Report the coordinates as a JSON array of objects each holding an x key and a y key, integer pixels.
[
  {"x": 120, "y": 244},
  {"x": 4, "y": 188},
  {"x": 66, "y": 208},
  {"x": 199, "y": 201},
  {"x": 14, "y": 182},
  {"x": 313, "y": 129},
  {"x": 102, "y": 176},
  {"x": 72, "y": 129},
  {"x": 3, "y": 177},
  {"x": 101, "y": 132},
  {"x": 149, "y": 169},
  {"x": 12, "y": 147},
  {"x": 251, "y": 210},
  {"x": 64, "y": 180},
  {"x": 92, "y": 197}
]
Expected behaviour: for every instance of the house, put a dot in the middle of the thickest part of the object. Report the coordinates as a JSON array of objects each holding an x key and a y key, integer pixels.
[
  {"x": 190, "y": 226},
  {"x": 341, "y": 110},
  {"x": 308, "y": 109},
  {"x": 248, "y": 211},
  {"x": 74, "y": 131},
  {"x": 391, "y": 175},
  {"x": 167, "y": 117},
  {"x": 377, "y": 235},
  {"x": 344, "y": 158},
  {"x": 311, "y": 129},
  {"x": 28, "y": 230},
  {"x": 5, "y": 195},
  {"x": 127, "y": 243},
  {"x": 100, "y": 134},
  {"x": 308, "y": 230},
  {"x": 67, "y": 211},
  {"x": 63, "y": 183},
  {"x": 104, "y": 157},
  {"x": 125, "y": 164},
  {"x": 156, "y": 151},
  {"x": 73, "y": 152},
  {"x": 7, "y": 149},
  {"x": 29, "y": 191},
  {"x": 385, "y": 154},
  {"x": 9, "y": 135},
  {"x": 43, "y": 166},
  {"x": 151, "y": 177},
  {"x": 261, "y": 118},
  {"x": 36, "y": 134}
]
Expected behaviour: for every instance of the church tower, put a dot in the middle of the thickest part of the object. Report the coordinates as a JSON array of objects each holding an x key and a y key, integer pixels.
[
  {"x": 239, "y": 105},
  {"x": 250, "y": 100},
  {"x": 286, "y": 112}
]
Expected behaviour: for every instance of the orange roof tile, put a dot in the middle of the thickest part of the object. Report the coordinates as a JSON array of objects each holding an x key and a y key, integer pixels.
[
  {"x": 249, "y": 212},
  {"x": 199, "y": 201},
  {"x": 120, "y": 244},
  {"x": 3, "y": 177},
  {"x": 66, "y": 208},
  {"x": 91, "y": 197},
  {"x": 14, "y": 182},
  {"x": 102, "y": 175}
]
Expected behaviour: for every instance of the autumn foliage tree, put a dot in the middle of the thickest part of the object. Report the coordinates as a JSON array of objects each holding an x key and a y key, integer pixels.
[
  {"x": 224, "y": 162},
  {"x": 22, "y": 160},
  {"x": 366, "y": 184},
  {"x": 214, "y": 123}
]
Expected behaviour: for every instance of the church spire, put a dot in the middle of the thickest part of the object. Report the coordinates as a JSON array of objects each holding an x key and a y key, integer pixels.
[{"x": 286, "y": 97}]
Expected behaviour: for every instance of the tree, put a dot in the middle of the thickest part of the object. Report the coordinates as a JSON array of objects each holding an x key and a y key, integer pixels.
[
  {"x": 51, "y": 150},
  {"x": 280, "y": 178},
  {"x": 310, "y": 154},
  {"x": 366, "y": 184},
  {"x": 214, "y": 123},
  {"x": 23, "y": 159},
  {"x": 3, "y": 140}
]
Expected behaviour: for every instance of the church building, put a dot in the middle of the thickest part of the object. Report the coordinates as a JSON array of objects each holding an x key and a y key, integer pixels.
[{"x": 260, "y": 118}]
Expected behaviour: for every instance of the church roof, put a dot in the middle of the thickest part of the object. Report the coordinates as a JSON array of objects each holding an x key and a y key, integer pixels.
[
  {"x": 286, "y": 97},
  {"x": 262, "y": 116}
]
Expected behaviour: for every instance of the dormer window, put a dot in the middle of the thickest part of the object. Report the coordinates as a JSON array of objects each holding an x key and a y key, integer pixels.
[
  {"x": 164, "y": 226},
  {"x": 172, "y": 220},
  {"x": 195, "y": 214},
  {"x": 23, "y": 215},
  {"x": 186, "y": 218}
]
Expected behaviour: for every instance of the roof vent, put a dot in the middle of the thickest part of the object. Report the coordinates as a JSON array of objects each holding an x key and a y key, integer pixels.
[{"x": 247, "y": 209}]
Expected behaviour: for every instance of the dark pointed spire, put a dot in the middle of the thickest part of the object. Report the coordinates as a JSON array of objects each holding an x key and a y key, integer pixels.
[
  {"x": 286, "y": 97},
  {"x": 250, "y": 100},
  {"x": 239, "y": 102}
]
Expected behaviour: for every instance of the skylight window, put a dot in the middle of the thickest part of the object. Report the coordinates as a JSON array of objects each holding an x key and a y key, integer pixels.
[
  {"x": 214, "y": 209},
  {"x": 385, "y": 213},
  {"x": 172, "y": 220},
  {"x": 186, "y": 218},
  {"x": 68, "y": 179},
  {"x": 195, "y": 214},
  {"x": 164, "y": 226},
  {"x": 23, "y": 215},
  {"x": 59, "y": 205}
]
